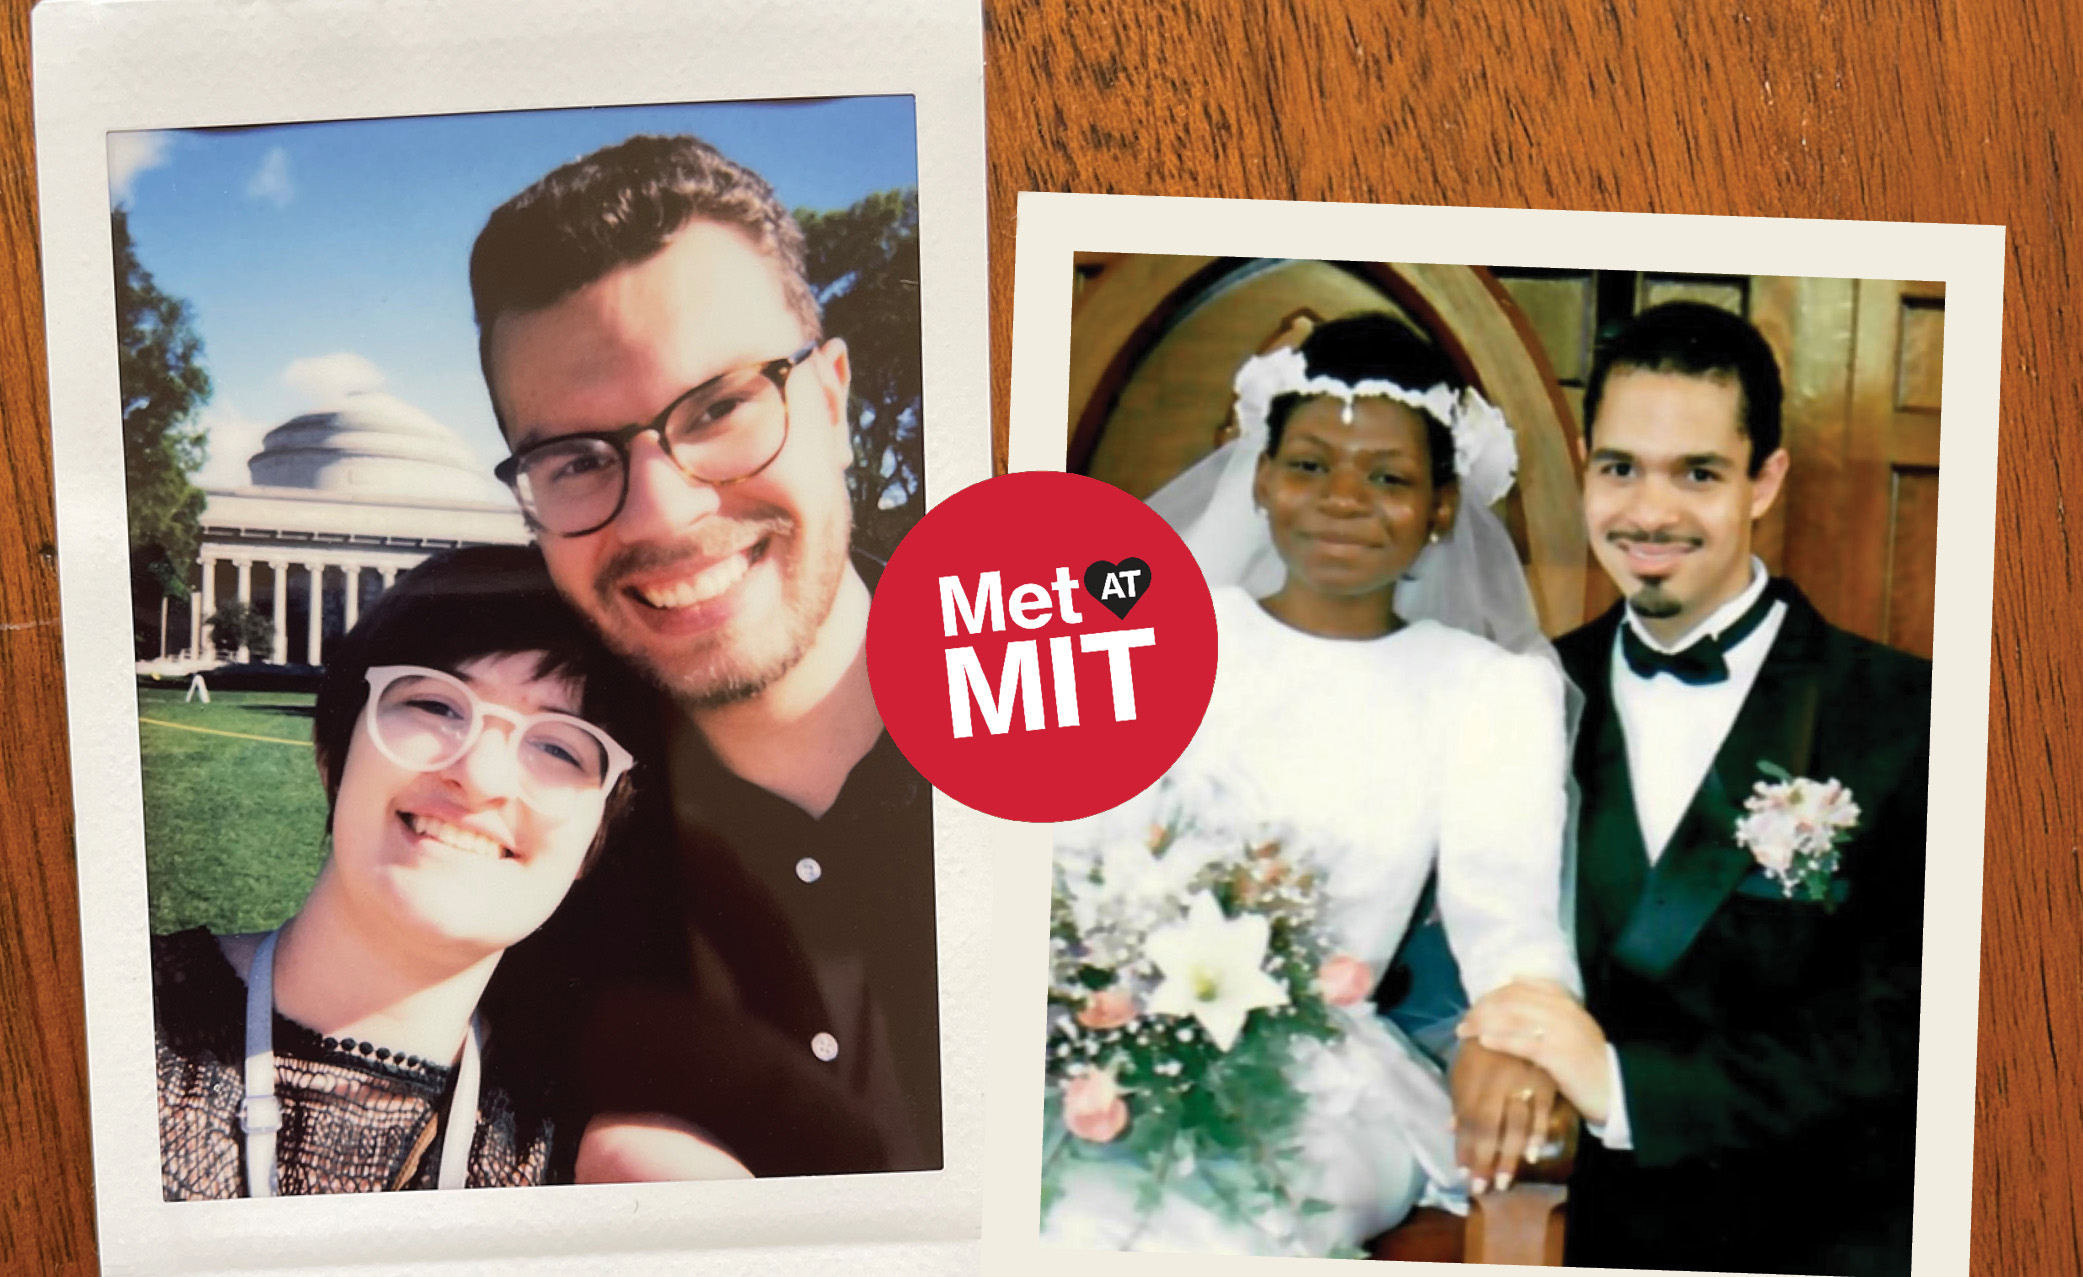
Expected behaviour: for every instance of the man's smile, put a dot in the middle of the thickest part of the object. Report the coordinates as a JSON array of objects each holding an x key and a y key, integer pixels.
[
  {"x": 1654, "y": 556},
  {"x": 695, "y": 582}
]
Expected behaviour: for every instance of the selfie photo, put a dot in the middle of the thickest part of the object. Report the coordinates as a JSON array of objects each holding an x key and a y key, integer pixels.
[{"x": 505, "y": 497}]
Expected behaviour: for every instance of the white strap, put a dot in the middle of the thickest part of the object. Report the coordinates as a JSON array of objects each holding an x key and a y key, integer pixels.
[
  {"x": 260, "y": 1114},
  {"x": 462, "y": 1117}
]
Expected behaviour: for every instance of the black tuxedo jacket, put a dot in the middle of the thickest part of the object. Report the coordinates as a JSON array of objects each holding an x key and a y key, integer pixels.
[{"x": 1768, "y": 1047}]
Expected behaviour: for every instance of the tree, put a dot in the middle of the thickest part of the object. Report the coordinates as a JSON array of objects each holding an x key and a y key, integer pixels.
[
  {"x": 863, "y": 263},
  {"x": 237, "y": 625},
  {"x": 164, "y": 383}
]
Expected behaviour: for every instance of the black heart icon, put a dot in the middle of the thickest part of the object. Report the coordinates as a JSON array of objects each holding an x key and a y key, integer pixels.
[{"x": 1118, "y": 586}]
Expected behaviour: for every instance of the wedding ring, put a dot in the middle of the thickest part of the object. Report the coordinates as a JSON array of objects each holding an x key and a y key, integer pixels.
[{"x": 1524, "y": 1095}]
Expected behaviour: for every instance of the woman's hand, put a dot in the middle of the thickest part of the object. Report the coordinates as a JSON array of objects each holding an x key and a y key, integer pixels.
[
  {"x": 1543, "y": 1023},
  {"x": 627, "y": 1148},
  {"x": 1502, "y": 1108}
]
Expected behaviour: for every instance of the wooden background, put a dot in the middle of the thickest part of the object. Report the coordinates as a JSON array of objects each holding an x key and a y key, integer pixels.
[{"x": 1965, "y": 112}]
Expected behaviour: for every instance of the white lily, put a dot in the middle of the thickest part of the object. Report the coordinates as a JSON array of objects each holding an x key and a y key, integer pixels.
[{"x": 1213, "y": 969}]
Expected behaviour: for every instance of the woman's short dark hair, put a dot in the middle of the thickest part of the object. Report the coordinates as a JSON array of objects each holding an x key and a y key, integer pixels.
[
  {"x": 1694, "y": 339},
  {"x": 1375, "y": 347},
  {"x": 620, "y": 206},
  {"x": 462, "y": 606}
]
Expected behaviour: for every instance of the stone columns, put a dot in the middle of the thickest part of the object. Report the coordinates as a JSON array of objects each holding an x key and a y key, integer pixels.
[
  {"x": 209, "y": 606},
  {"x": 245, "y": 567},
  {"x": 195, "y": 619},
  {"x": 280, "y": 568},
  {"x": 317, "y": 613},
  {"x": 353, "y": 572}
]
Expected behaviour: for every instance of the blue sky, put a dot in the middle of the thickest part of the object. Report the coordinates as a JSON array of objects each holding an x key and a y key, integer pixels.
[{"x": 327, "y": 257}]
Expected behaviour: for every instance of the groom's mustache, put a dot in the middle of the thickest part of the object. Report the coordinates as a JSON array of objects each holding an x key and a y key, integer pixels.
[{"x": 1655, "y": 538}]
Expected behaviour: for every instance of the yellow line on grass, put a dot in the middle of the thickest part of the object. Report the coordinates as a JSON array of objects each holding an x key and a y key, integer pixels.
[{"x": 213, "y": 731}]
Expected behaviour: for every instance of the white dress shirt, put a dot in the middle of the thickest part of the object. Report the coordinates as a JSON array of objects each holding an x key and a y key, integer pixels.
[{"x": 1673, "y": 731}]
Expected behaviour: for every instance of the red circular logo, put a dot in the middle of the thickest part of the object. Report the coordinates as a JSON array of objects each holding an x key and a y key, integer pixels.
[{"x": 1042, "y": 646}]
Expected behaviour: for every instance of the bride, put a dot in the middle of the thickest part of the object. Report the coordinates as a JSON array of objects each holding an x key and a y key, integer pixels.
[{"x": 1366, "y": 599}]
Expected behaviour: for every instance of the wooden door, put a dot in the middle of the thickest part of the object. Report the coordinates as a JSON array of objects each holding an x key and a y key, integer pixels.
[{"x": 1859, "y": 526}]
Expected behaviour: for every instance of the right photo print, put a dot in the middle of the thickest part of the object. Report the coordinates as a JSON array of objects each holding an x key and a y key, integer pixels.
[{"x": 1546, "y": 882}]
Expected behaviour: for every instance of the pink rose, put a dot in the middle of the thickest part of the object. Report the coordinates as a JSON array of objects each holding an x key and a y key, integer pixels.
[
  {"x": 1093, "y": 1108},
  {"x": 1344, "y": 980},
  {"x": 1108, "y": 1009}
]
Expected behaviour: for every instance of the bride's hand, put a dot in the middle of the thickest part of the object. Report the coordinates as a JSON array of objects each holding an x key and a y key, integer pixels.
[
  {"x": 1502, "y": 1108},
  {"x": 1543, "y": 1023}
]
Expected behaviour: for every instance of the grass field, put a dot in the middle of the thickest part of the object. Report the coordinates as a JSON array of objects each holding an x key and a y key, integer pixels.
[{"x": 234, "y": 812}]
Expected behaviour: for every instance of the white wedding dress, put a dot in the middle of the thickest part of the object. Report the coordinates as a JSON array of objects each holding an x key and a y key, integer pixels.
[{"x": 1384, "y": 758}]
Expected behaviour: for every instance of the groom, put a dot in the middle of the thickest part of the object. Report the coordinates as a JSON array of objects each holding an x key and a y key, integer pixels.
[{"x": 1745, "y": 1057}]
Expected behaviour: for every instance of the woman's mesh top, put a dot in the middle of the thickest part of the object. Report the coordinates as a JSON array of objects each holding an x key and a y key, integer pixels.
[{"x": 354, "y": 1119}]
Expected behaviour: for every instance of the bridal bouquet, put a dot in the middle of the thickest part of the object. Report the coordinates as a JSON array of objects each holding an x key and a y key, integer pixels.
[{"x": 1187, "y": 964}]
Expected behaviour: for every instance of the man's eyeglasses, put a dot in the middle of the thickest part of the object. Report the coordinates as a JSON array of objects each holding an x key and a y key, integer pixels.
[
  {"x": 424, "y": 720},
  {"x": 725, "y": 430}
]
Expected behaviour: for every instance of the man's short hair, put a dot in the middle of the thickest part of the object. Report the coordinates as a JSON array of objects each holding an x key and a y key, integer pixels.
[
  {"x": 617, "y": 207},
  {"x": 466, "y": 605},
  {"x": 1697, "y": 340}
]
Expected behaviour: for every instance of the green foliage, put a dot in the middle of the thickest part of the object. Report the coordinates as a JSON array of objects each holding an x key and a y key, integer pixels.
[
  {"x": 234, "y": 828},
  {"x": 863, "y": 263},
  {"x": 235, "y": 625},
  {"x": 159, "y": 368}
]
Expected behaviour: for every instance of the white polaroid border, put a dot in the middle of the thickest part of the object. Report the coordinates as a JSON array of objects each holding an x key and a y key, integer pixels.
[
  {"x": 103, "y": 67},
  {"x": 1969, "y": 259}
]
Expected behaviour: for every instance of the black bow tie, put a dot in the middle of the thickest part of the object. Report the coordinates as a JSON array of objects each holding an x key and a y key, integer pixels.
[{"x": 1701, "y": 663}]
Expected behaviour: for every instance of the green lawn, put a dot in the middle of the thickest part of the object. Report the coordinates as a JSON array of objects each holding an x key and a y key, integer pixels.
[{"x": 234, "y": 827}]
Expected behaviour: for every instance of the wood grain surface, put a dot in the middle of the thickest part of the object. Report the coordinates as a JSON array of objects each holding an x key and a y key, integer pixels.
[{"x": 1930, "y": 111}]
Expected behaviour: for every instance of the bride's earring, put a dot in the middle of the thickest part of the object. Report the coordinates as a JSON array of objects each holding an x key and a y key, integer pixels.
[{"x": 1411, "y": 573}]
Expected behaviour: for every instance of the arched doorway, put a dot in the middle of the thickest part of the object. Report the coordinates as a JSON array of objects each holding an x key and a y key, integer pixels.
[{"x": 1155, "y": 341}]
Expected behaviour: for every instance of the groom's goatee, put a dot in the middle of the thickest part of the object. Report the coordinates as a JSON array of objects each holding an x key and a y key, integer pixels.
[{"x": 1653, "y": 603}]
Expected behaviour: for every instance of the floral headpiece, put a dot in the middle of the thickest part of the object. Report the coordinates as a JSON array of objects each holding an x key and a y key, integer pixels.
[{"x": 1486, "y": 459}]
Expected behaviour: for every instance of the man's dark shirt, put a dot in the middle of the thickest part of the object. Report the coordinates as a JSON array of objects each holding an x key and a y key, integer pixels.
[
  {"x": 824, "y": 925},
  {"x": 763, "y": 974}
]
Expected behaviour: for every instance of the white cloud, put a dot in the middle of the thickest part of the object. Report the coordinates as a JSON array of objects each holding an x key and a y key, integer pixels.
[
  {"x": 324, "y": 379},
  {"x": 234, "y": 438},
  {"x": 131, "y": 154},
  {"x": 271, "y": 181}
]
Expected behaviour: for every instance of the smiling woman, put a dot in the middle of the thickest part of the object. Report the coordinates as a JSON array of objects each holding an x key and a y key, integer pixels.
[{"x": 466, "y": 738}]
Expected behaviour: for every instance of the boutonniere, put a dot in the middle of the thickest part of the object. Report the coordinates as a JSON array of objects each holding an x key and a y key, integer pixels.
[{"x": 1794, "y": 829}]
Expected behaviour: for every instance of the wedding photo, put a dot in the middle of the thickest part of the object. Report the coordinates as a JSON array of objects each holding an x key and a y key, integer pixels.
[
  {"x": 461, "y": 813},
  {"x": 1546, "y": 883}
]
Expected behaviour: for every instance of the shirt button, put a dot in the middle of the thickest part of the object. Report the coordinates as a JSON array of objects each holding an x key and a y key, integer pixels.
[
  {"x": 809, "y": 870},
  {"x": 825, "y": 1047}
]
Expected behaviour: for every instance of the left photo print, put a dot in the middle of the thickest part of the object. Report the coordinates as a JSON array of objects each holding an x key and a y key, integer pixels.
[
  {"x": 479, "y": 782},
  {"x": 417, "y": 415}
]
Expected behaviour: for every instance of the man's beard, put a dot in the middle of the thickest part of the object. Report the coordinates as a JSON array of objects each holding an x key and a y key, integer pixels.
[
  {"x": 1655, "y": 603},
  {"x": 714, "y": 671}
]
